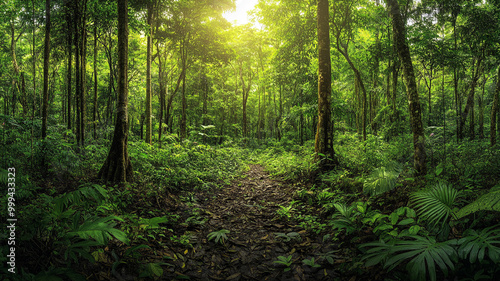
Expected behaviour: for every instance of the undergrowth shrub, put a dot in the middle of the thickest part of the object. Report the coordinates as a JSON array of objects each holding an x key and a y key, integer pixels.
[
  {"x": 64, "y": 230},
  {"x": 185, "y": 165},
  {"x": 363, "y": 157},
  {"x": 289, "y": 164}
]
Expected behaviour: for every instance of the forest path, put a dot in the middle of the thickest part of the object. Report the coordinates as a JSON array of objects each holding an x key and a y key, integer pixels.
[{"x": 248, "y": 209}]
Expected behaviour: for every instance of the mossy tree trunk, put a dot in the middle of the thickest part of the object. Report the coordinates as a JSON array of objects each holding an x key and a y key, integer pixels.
[
  {"x": 494, "y": 112},
  {"x": 149, "y": 113},
  {"x": 46, "y": 59},
  {"x": 419, "y": 162},
  {"x": 117, "y": 167},
  {"x": 323, "y": 145}
]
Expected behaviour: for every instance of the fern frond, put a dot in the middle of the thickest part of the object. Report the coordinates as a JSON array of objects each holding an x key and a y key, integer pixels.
[
  {"x": 382, "y": 179},
  {"x": 475, "y": 244},
  {"x": 99, "y": 229},
  {"x": 425, "y": 255},
  {"x": 487, "y": 202},
  {"x": 82, "y": 195},
  {"x": 435, "y": 205}
]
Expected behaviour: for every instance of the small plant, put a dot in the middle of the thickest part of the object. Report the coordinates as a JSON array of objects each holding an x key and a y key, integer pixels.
[
  {"x": 184, "y": 240},
  {"x": 289, "y": 236},
  {"x": 489, "y": 201},
  {"x": 344, "y": 218},
  {"x": 476, "y": 244},
  {"x": 425, "y": 253},
  {"x": 329, "y": 256},
  {"x": 311, "y": 263},
  {"x": 436, "y": 205},
  {"x": 310, "y": 223},
  {"x": 382, "y": 179},
  {"x": 219, "y": 236},
  {"x": 286, "y": 261},
  {"x": 286, "y": 211}
]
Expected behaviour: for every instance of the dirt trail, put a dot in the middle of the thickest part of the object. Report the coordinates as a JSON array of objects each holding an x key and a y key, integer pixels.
[{"x": 248, "y": 209}]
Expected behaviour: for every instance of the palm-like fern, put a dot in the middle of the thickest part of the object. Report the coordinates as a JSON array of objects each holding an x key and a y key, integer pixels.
[
  {"x": 489, "y": 202},
  {"x": 218, "y": 236},
  {"x": 425, "y": 253},
  {"x": 83, "y": 195},
  {"x": 382, "y": 179},
  {"x": 436, "y": 204},
  {"x": 474, "y": 245},
  {"x": 344, "y": 218}
]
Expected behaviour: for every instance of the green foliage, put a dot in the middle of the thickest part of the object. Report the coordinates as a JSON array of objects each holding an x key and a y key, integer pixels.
[
  {"x": 344, "y": 218},
  {"x": 487, "y": 202},
  {"x": 286, "y": 261},
  {"x": 82, "y": 196},
  {"x": 310, "y": 263},
  {"x": 436, "y": 204},
  {"x": 475, "y": 245},
  {"x": 382, "y": 179},
  {"x": 330, "y": 256},
  {"x": 189, "y": 165},
  {"x": 364, "y": 157},
  {"x": 219, "y": 236},
  {"x": 99, "y": 229},
  {"x": 287, "y": 160},
  {"x": 152, "y": 269},
  {"x": 399, "y": 223},
  {"x": 425, "y": 254},
  {"x": 287, "y": 211},
  {"x": 288, "y": 236}
]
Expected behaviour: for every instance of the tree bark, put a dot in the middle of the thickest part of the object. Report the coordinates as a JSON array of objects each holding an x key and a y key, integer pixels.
[
  {"x": 246, "y": 92},
  {"x": 184, "y": 102},
  {"x": 70, "y": 56},
  {"x": 494, "y": 112},
  {"x": 83, "y": 76},
  {"x": 469, "y": 106},
  {"x": 149, "y": 112},
  {"x": 323, "y": 145},
  {"x": 117, "y": 167},
  {"x": 94, "y": 115},
  {"x": 46, "y": 58},
  {"x": 411, "y": 87}
]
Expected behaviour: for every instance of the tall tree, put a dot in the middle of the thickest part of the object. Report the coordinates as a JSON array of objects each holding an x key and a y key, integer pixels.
[
  {"x": 411, "y": 87},
  {"x": 46, "y": 58},
  {"x": 342, "y": 22},
  {"x": 149, "y": 46},
  {"x": 323, "y": 144},
  {"x": 494, "y": 112},
  {"x": 69, "y": 14},
  {"x": 117, "y": 167}
]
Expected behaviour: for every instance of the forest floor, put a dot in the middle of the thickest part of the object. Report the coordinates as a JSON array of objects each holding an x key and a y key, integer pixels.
[{"x": 248, "y": 209}]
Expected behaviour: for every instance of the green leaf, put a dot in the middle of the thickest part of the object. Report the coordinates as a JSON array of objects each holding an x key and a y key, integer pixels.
[
  {"x": 436, "y": 204},
  {"x": 406, "y": 221},
  {"x": 487, "y": 202}
]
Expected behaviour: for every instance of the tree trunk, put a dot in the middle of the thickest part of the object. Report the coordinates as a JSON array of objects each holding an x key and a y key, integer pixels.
[
  {"x": 184, "y": 108},
  {"x": 70, "y": 56},
  {"x": 117, "y": 167},
  {"x": 78, "y": 76},
  {"x": 469, "y": 106},
  {"x": 162, "y": 94},
  {"x": 323, "y": 145},
  {"x": 359, "y": 80},
  {"x": 94, "y": 115},
  {"x": 149, "y": 112},
  {"x": 46, "y": 58},
  {"x": 83, "y": 72},
  {"x": 184, "y": 103},
  {"x": 411, "y": 87},
  {"x": 494, "y": 112},
  {"x": 246, "y": 92}
]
